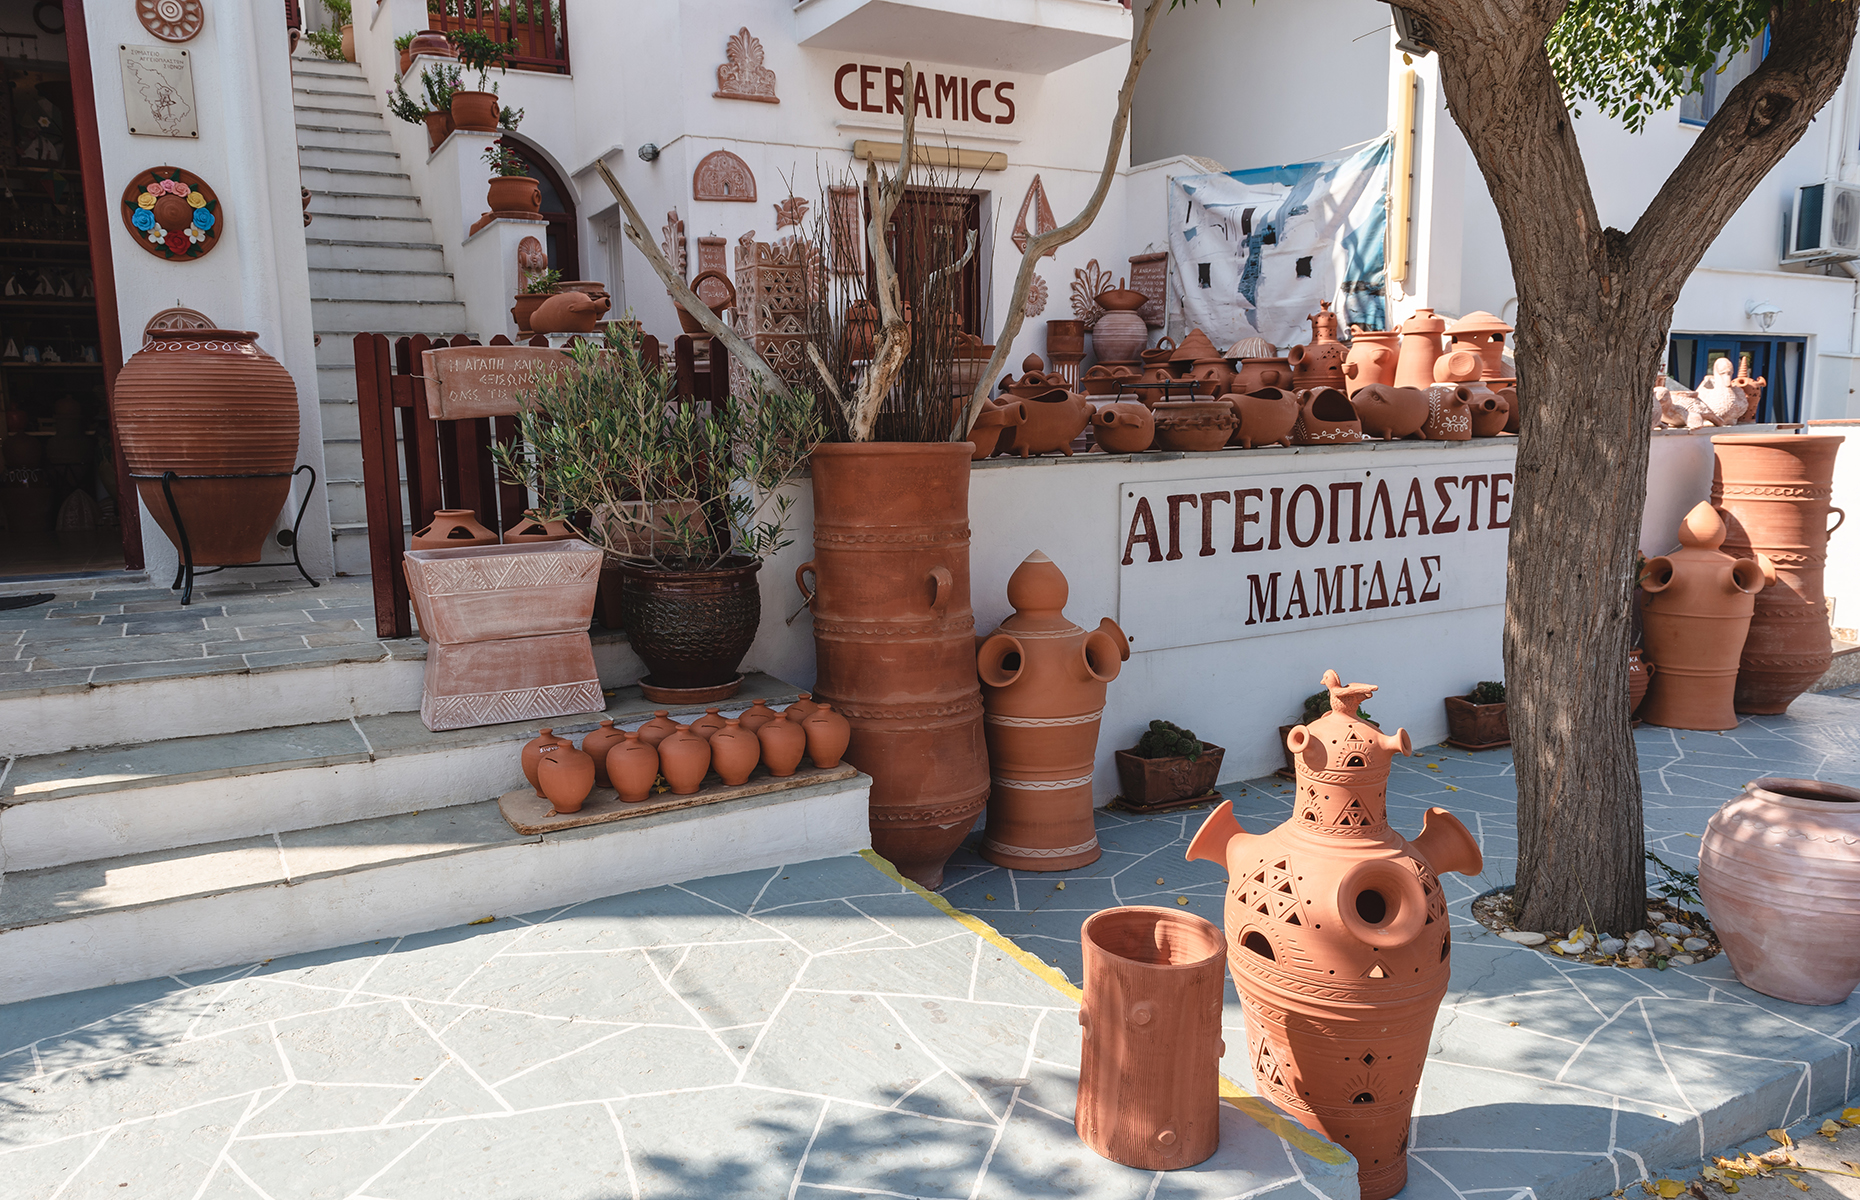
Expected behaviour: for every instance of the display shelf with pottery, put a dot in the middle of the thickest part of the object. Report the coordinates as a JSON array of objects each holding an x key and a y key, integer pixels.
[{"x": 530, "y": 814}]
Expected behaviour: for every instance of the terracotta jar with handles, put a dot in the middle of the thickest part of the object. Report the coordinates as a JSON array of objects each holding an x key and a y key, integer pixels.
[
  {"x": 1695, "y": 615},
  {"x": 1254, "y": 374},
  {"x": 1420, "y": 346}
]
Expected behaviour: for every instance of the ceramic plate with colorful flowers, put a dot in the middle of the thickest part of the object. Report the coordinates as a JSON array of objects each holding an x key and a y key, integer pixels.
[{"x": 171, "y": 213}]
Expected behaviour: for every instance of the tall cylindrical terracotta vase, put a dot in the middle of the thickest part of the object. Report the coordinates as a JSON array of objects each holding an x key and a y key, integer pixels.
[
  {"x": 1150, "y": 1040},
  {"x": 220, "y": 413},
  {"x": 1775, "y": 492},
  {"x": 894, "y": 639},
  {"x": 1696, "y": 614}
]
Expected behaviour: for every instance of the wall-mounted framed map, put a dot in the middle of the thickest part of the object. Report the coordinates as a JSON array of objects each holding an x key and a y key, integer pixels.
[{"x": 158, "y": 91}]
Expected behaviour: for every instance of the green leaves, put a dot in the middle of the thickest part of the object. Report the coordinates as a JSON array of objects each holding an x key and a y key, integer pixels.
[
  {"x": 1165, "y": 739},
  {"x": 1632, "y": 58}
]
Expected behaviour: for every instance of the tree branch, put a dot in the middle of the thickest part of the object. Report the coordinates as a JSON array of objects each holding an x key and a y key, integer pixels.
[
  {"x": 737, "y": 344},
  {"x": 893, "y": 344}
]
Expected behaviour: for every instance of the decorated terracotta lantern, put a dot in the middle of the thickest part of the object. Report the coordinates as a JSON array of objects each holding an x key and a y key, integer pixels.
[
  {"x": 1338, "y": 940},
  {"x": 1319, "y": 364},
  {"x": 1371, "y": 359},
  {"x": 1043, "y": 687}
]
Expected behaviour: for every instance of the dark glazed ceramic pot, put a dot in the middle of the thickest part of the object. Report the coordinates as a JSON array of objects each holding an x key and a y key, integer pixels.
[{"x": 691, "y": 628}]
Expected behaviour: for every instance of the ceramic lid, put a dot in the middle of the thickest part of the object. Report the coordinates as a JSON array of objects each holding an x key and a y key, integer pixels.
[
  {"x": 1477, "y": 322},
  {"x": 1253, "y": 347}
]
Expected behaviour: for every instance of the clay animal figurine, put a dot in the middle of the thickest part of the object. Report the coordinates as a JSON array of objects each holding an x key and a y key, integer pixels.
[
  {"x": 1126, "y": 427},
  {"x": 1389, "y": 412},
  {"x": 994, "y": 427},
  {"x": 569, "y": 312},
  {"x": 1449, "y": 413},
  {"x": 1266, "y": 416},
  {"x": 1338, "y": 939},
  {"x": 1054, "y": 418},
  {"x": 1325, "y": 418}
]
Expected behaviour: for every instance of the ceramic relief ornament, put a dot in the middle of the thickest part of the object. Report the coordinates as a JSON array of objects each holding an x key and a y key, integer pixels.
[
  {"x": 721, "y": 175},
  {"x": 171, "y": 20},
  {"x": 1043, "y": 690},
  {"x": 742, "y": 76},
  {"x": 672, "y": 242},
  {"x": 1338, "y": 939},
  {"x": 791, "y": 211},
  {"x": 1036, "y": 297},
  {"x": 1087, "y": 282},
  {"x": 1695, "y": 616},
  {"x": 1035, "y": 205},
  {"x": 172, "y": 214}
]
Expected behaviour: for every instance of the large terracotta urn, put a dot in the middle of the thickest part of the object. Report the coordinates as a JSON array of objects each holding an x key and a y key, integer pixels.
[
  {"x": 894, "y": 639},
  {"x": 1774, "y": 491},
  {"x": 1338, "y": 939},
  {"x": 1043, "y": 687},
  {"x": 1695, "y": 615},
  {"x": 1779, "y": 871},
  {"x": 220, "y": 413},
  {"x": 1120, "y": 334}
]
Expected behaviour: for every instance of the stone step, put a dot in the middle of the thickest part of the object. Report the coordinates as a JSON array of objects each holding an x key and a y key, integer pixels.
[
  {"x": 88, "y": 924},
  {"x": 373, "y": 204},
  {"x": 339, "y": 252},
  {"x": 348, "y": 506},
  {"x": 385, "y": 315},
  {"x": 324, "y": 99},
  {"x": 326, "y": 67},
  {"x": 351, "y": 543},
  {"x": 335, "y": 283},
  {"x": 335, "y": 384},
  {"x": 325, "y": 155},
  {"x": 309, "y": 132},
  {"x": 364, "y": 227},
  {"x": 354, "y": 179},
  {"x": 341, "y": 417}
]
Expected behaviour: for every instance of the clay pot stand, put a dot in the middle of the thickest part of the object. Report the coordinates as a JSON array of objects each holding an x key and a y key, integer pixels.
[
  {"x": 1468, "y": 723},
  {"x": 1177, "y": 782},
  {"x": 184, "y": 573},
  {"x": 505, "y": 214},
  {"x": 530, "y": 814}
]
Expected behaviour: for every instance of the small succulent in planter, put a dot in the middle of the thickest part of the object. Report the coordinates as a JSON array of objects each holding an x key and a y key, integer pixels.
[
  {"x": 1487, "y": 692},
  {"x": 1169, "y": 765},
  {"x": 1478, "y": 720},
  {"x": 1166, "y": 739}
]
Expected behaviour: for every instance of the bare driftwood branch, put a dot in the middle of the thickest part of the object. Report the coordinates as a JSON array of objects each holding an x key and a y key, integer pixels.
[
  {"x": 737, "y": 344},
  {"x": 894, "y": 336},
  {"x": 1044, "y": 243},
  {"x": 826, "y": 378},
  {"x": 937, "y": 275}
]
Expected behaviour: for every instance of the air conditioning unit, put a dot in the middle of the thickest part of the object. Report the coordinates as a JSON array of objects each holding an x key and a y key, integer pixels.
[{"x": 1825, "y": 226}]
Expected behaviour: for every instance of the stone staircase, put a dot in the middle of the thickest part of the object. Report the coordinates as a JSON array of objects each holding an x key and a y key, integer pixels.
[{"x": 375, "y": 266}]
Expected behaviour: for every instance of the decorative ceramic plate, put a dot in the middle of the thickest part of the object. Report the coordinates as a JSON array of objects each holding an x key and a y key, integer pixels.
[
  {"x": 172, "y": 214},
  {"x": 171, "y": 20}
]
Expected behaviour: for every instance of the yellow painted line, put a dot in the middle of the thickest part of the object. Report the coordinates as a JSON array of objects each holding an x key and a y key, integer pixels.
[{"x": 1231, "y": 1092}]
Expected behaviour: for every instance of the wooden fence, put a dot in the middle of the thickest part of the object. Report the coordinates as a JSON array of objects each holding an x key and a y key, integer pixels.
[{"x": 539, "y": 27}]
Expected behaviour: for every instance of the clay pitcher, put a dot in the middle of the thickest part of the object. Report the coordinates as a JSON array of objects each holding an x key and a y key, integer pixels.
[
  {"x": 783, "y": 743},
  {"x": 1371, "y": 358},
  {"x": 1449, "y": 413},
  {"x": 532, "y": 755},
  {"x": 1338, "y": 939},
  {"x": 1389, "y": 412},
  {"x": 1325, "y": 418},
  {"x": 1043, "y": 688},
  {"x": 1266, "y": 416},
  {"x": 1695, "y": 615},
  {"x": 1126, "y": 427},
  {"x": 1420, "y": 346},
  {"x": 734, "y": 752},
  {"x": 632, "y": 768},
  {"x": 567, "y": 776},
  {"x": 684, "y": 760},
  {"x": 597, "y": 743}
]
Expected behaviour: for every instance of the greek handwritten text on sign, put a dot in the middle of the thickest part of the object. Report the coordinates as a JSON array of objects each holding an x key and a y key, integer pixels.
[
  {"x": 1212, "y": 560},
  {"x": 467, "y": 382}
]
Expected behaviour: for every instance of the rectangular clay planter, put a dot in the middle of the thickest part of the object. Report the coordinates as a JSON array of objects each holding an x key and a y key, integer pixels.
[
  {"x": 483, "y": 593},
  {"x": 1476, "y": 726},
  {"x": 1154, "y": 782},
  {"x": 511, "y": 679}
]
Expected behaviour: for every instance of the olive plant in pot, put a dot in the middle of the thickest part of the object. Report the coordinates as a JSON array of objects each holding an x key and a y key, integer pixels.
[
  {"x": 477, "y": 109},
  {"x": 687, "y": 498},
  {"x": 1168, "y": 766},
  {"x": 1476, "y": 721}
]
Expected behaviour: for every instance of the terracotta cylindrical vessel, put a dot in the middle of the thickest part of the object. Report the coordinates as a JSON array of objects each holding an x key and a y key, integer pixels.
[
  {"x": 1640, "y": 675},
  {"x": 1043, "y": 685},
  {"x": 1120, "y": 334},
  {"x": 1325, "y": 418},
  {"x": 220, "y": 413},
  {"x": 1695, "y": 615},
  {"x": 532, "y": 755},
  {"x": 1371, "y": 358},
  {"x": 684, "y": 760},
  {"x": 1319, "y": 363},
  {"x": 1125, "y": 427},
  {"x": 1150, "y": 1038},
  {"x": 567, "y": 776},
  {"x": 709, "y": 723},
  {"x": 784, "y": 743},
  {"x": 1389, "y": 412},
  {"x": 632, "y": 767},
  {"x": 1065, "y": 340},
  {"x": 658, "y": 729},
  {"x": 475, "y": 110},
  {"x": 1420, "y": 346},
  {"x": 1266, "y": 416},
  {"x": 757, "y": 715},
  {"x": 734, "y": 752},
  {"x": 452, "y": 529},
  {"x": 1775, "y": 493},
  {"x": 1194, "y": 424},
  {"x": 596, "y": 743},
  {"x": 827, "y": 736},
  {"x": 1338, "y": 940},
  {"x": 894, "y": 639},
  {"x": 1779, "y": 859}
]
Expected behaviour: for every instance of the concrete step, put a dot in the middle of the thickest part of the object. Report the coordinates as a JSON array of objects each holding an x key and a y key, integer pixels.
[
  {"x": 135, "y": 917},
  {"x": 341, "y": 418},
  {"x": 335, "y": 385},
  {"x": 342, "y": 458},
  {"x": 334, "y": 283},
  {"x": 351, "y": 542},
  {"x": 326, "y": 251},
  {"x": 363, "y": 227},
  {"x": 384, "y": 315},
  {"x": 348, "y": 506},
  {"x": 307, "y": 132},
  {"x": 327, "y": 68},
  {"x": 329, "y": 99},
  {"x": 324, "y": 155},
  {"x": 354, "y": 179},
  {"x": 373, "y": 204}
]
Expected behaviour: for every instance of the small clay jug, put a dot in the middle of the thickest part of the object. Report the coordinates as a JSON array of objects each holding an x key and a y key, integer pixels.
[
  {"x": 684, "y": 760},
  {"x": 567, "y": 776},
  {"x": 1371, "y": 358},
  {"x": 1325, "y": 418},
  {"x": 1256, "y": 373},
  {"x": 804, "y": 704},
  {"x": 1389, "y": 412},
  {"x": 632, "y": 767},
  {"x": 827, "y": 736},
  {"x": 1420, "y": 346},
  {"x": 783, "y": 743},
  {"x": 1194, "y": 425},
  {"x": 1488, "y": 408},
  {"x": 709, "y": 723},
  {"x": 453, "y": 528},
  {"x": 1266, "y": 416},
  {"x": 757, "y": 715},
  {"x": 734, "y": 752},
  {"x": 532, "y": 754},
  {"x": 597, "y": 743},
  {"x": 658, "y": 729},
  {"x": 1449, "y": 413},
  {"x": 1126, "y": 427}
]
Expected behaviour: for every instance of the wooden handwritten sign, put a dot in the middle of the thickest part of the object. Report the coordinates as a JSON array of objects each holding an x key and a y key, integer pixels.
[{"x": 467, "y": 382}]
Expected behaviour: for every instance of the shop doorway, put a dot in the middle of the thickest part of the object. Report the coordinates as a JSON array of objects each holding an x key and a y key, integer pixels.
[
  {"x": 560, "y": 238},
  {"x": 1780, "y": 360},
  {"x": 926, "y": 234}
]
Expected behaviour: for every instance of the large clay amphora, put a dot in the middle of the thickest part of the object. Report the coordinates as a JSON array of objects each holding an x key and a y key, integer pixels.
[
  {"x": 1774, "y": 491},
  {"x": 1043, "y": 686},
  {"x": 1338, "y": 941},
  {"x": 1695, "y": 615},
  {"x": 894, "y": 639}
]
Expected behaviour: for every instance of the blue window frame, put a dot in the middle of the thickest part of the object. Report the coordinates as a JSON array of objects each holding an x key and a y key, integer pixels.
[
  {"x": 1780, "y": 360},
  {"x": 1701, "y": 106}
]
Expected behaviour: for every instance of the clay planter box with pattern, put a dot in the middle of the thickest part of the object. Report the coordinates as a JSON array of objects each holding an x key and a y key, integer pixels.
[
  {"x": 1476, "y": 726},
  {"x": 1155, "y": 782}
]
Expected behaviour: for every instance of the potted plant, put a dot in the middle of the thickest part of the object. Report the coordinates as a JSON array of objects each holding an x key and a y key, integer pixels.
[
  {"x": 686, "y": 497},
  {"x": 438, "y": 84},
  {"x": 403, "y": 45},
  {"x": 1168, "y": 766},
  {"x": 1476, "y": 721},
  {"x": 536, "y": 289},
  {"x": 1315, "y": 706},
  {"x": 337, "y": 41},
  {"x": 513, "y": 188},
  {"x": 478, "y": 52}
]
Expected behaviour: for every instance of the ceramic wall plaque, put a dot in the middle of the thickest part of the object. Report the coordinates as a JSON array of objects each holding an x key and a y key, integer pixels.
[
  {"x": 723, "y": 176},
  {"x": 1042, "y": 212},
  {"x": 742, "y": 75},
  {"x": 1087, "y": 282},
  {"x": 791, "y": 211},
  {"x": 1149, "y": 274},
  {"x": 171, "y": 20},
  {"x": 672, "y": 242},
  {"x": 158, "y": 91},
  {"x": 172, "y": 214}
]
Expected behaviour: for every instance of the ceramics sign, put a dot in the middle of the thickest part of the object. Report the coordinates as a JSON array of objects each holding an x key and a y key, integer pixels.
[
  {"x": 467, "y": 382},
  {"x": 874, "y": 88},
  {"x": 1216, "y": 560}
]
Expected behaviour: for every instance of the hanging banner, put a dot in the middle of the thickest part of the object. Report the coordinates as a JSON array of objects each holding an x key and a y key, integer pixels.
[{"x": 1255, "y": 251}]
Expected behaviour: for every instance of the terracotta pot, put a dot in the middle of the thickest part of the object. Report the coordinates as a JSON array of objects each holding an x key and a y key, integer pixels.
[
  {"x": 1449, "y": 413},
  {"x": 757, "y": 715},
  {"x": 658, "y": 729},
  {"x": 514, "y": 193},
  {"x": 438, "y": 127},
  {"x": 209, "y": 402},
  {"x": 1126, "y": 427},
  {"x": 1065, "y": 340},
  {"x": 1778, "y": 860},
  {"x": 997, "y": 422},
  {"x": 1371, "y": 359},
  {"x": 1457, "y": 366},
  {"x": 1054, "y": 418},
  {"x": 1640, "y": 674},
  {"x": 1121, "y": 299},
  {"x": 1256, "y": 374},
  {"x": 709, "y": 723},
  {"x": 432, "y": 42},
  {"x": 347, "y": 35},
  {"x": 1420, "y": 346},
  {"x": 1107, "y": 379},
  {"x": 827, "y": 736},
  {"x": 1193, "y": 425},
  {"x": 1319, "y": 363},
  {"x": 1473, "y": 726},
  {"x": 1389, "y": 412},
  {"x": 596, "y": 743},
  {"x": 894, "y": 639},
  {"x": 1043, "y": 686},
  {"x": 1119, "y": 335},
  {"x": 1265, "y": 417},
  {"x": 1148, "y": 782},
  {"x": 1150, "y": 1044},
  {"x": 535, "y": 527},
  {"x": 1338, "y": 940},
  {"x": 1214, "y": 375},
  {"x": 1151, "y": 386},
  {"x": 475, "y": 110},
  {"x": 1163, "y": 351},
  {"x": 1488, "y": 410},
  {"x": 803, "y": 705},
  {"x": 532, "y": 755},
  {"x": 632, "y": 768},
  {"x": 1774, "y": 492},
  {"x": 525, "y": 305},
  {"x": 1484, "y": 334},
  {"x": 567, "y": 776},
  {"x": 569, "y": 312},
  {"x": 1325, "y": 418},
  {"x": 1696, "y": 612},
  {"x": 453, "y": 529},
  {"x": 734, "y": 752},
  {"x": 691, "y": 628},
  {"x": 684, "y": 760},
  {"x": 783, "y": 743}
]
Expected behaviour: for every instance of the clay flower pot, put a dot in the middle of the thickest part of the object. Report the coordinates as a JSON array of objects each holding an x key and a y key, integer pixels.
[
  {"x": 596, "y": 743},
  {"x": 1265, "y": 417},
  {"x": 684, "y": 760},
  {"x": 757, "y": 715},
  {"x": 1449, "y": 413},
  {"x": 1473, "y": 726},
  {"x": 1043, "y": 686},
  {"x": 1389, "y": 412},
  {"x": 632, "y": 767},
  {"x": 734, "y": 752},
  {"x": 1782, "y": 858},
  {"x": 1161, "y": 782},
  {"x": 658, "y": 729},
  {"x": 1695, "y": 615},
  {"x": 534, "y": 527},
  {"x": 1256, "y": 374},
  {"x": 431, "y": 42},
  {"x": 567, "y": 776},
  {"x": 525, "y": 306},
  {"x": 1338, "y": 940},
  {"x": 1640, "y": 674},
  {"x": 1371, "y": 359},
  {"x": 452, "y": 529},
  {"x": 514, "y": 193},
  {"x": 532, "y": 755},
  {"x": 783, "y": 743},
  {"x": 691, "y": 628},
  {"x": 438, "y": 127},
  {"x": 1325, "y": 418},
  {"x": 709, "y": 723},
  {"x": 1420, "y": 346},
  {"x": 1120, "y": 334},
  {"x": 475, "y": 110},
  {"x": 1193, "y": 425},
  {"x": 347, "y": 36},
  {"x": 996, "y": 423},
  {"x": 1150, "y": 1049},
  {"x": 1126, "y": 427}
]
